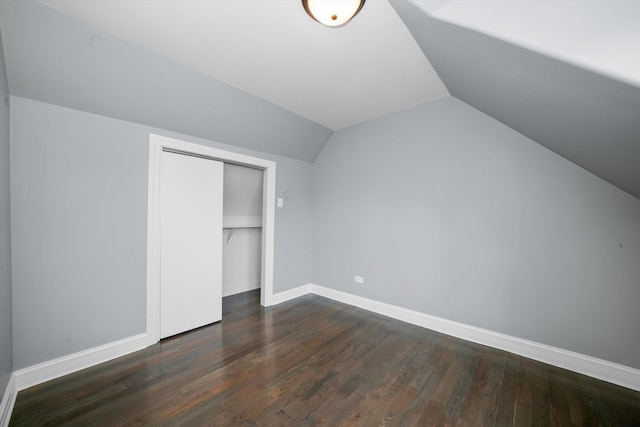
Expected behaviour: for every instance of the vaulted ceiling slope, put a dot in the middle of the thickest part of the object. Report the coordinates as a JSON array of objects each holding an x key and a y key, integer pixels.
[
  {"x": 53, "y": 58},
  {"x": 268, "y": 78},
  {"x": 585, "y": 116},
  {"x": 272, "y": 49}
]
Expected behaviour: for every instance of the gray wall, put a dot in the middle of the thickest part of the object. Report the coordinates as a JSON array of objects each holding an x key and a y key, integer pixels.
[
  {"x": 448, "y": 212},
  {"x": 441, "y": 208},
  {"x": 79, "y": 203},
  {"x": 6, "y": 344},
  {"x": 293, "y": 220}
]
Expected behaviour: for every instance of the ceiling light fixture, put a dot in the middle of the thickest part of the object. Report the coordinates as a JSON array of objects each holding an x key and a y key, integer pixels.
[{"x": 333, "y": 13}]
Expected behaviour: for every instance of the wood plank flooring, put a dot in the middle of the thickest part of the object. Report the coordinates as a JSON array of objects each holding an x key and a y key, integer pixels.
[{"x": 312, "y": 362}]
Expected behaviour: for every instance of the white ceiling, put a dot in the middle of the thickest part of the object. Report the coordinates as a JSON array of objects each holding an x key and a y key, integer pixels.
[{"x": 336, "y": 77}]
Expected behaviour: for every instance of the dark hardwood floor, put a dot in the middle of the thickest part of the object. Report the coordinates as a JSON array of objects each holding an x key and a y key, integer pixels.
[{"x": 313, "y": 361}]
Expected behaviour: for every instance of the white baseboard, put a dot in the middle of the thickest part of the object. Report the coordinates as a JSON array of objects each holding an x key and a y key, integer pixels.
[
  {"x": 8, "y": 400},
  {"x": 239, "y": 287},
  {"x": 587, "y": 365},
  {"x": 290, "y": 294},
  {"x": 42, "y": 372}
]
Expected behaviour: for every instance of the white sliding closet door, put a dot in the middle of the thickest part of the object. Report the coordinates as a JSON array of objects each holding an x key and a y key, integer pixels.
[{"x": 190, "y": 243}]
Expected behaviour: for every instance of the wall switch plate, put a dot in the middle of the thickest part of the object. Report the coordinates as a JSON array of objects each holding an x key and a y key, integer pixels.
[
  {"x": 359, "y": 279},
  {"x": 280, "y": 202}
]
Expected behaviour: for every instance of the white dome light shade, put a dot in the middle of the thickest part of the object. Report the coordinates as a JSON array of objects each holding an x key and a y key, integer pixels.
[{"x": 332, "y": 13}]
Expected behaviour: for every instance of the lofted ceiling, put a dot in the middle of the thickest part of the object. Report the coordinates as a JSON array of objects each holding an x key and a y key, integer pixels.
[
  {"x": 336, "y": 77},
  {"x": 260, "y": 74}
]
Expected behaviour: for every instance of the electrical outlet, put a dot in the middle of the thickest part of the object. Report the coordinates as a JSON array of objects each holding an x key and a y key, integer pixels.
[{"x": 359, "y": 279}]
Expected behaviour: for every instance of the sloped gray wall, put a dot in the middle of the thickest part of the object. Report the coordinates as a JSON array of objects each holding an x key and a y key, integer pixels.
[
  {"x": 56, "y": 59},
  {"x": 79, "y": 203},
  {"x": 6, "y": 344},
  {"x": 586, "y": 117},
  {"x": 446, "y": 211}
]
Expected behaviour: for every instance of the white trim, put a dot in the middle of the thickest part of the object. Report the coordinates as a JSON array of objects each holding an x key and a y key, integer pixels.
[
  {"x": 8, "y": 400},
  {"x": 268, "y": 233},
  {"x": 156, "y": 144},
  {"x": 587, "y": 365},
  {"x": 290, "y": 294},
  {"x": 46, "y": 371}
]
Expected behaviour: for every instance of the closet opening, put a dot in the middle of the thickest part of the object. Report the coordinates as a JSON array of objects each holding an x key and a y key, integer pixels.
[
  {"x": 242, "y": 229},
  {"x": 247, "y": 226}
]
